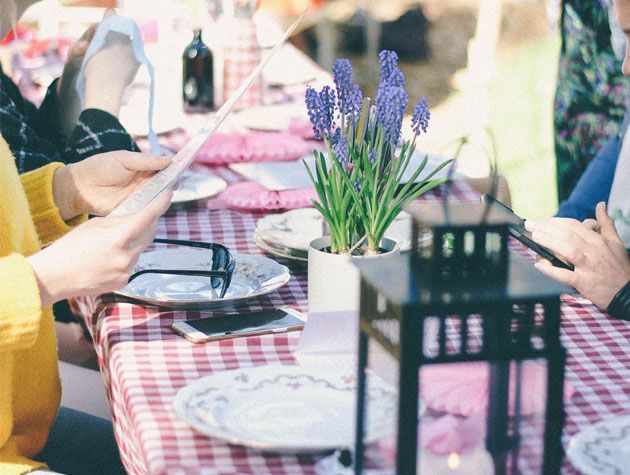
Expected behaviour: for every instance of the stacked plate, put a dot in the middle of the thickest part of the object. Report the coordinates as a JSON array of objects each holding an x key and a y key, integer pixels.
[{"x": 289, "y": 234}]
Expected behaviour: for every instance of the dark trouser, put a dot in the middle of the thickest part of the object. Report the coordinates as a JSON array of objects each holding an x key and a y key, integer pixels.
[
  {"x": 62, "y": 312},
  {"x": 81, "y": 444}
]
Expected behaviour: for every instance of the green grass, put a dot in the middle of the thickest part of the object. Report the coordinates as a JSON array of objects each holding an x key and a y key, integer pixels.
[{"x": 521, "y": 105}]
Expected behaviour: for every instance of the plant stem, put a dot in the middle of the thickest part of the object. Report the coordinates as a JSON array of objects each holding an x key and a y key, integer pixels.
[{"x": 358, "y": 243}]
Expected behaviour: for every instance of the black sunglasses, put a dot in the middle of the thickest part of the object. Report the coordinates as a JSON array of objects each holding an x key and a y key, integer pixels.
[{"x": 223, "y": 264}]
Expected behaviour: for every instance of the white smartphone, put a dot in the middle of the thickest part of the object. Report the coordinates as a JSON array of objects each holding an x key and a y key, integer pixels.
[{"x": 278, "y": 320}]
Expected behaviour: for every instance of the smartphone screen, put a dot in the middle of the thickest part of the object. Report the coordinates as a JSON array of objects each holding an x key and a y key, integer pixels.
[
  {"x": 518, "y": 231},
  {"x": 232, "y": 326}
]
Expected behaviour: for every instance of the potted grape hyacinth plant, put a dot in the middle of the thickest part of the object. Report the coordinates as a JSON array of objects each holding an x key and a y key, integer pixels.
[{"x": 359, "y": 177}]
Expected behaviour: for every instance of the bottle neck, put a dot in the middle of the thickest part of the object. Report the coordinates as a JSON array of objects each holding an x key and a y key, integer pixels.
[{"x": 197, "y": 37}]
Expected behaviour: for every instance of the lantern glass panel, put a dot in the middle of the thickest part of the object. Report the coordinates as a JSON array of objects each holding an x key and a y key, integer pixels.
[{"x": 451, "y": 425}]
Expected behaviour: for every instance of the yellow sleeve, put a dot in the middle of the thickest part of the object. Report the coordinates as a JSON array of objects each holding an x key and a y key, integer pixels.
[
  {"x": 20, "y": 304},
  {"x": 11, "y": 464},
  {"x": 20, "y": 468},
  {"x": 38, "y": 186}
]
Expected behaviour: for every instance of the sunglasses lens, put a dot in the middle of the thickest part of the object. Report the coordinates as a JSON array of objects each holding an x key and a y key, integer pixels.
[
  {"x": 219, "y": 258},
  {"x": 228, "y": 278}
]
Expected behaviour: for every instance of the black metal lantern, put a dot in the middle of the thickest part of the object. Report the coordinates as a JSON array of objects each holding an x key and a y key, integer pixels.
[{"x": 480, "y": 303}]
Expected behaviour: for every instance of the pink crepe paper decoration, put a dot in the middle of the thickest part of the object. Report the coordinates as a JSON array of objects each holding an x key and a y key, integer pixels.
[
  {"x": 221, "y": 149},
  {"x": 301, "y": 128},
  {"x": 462, "y": 388},
  {"x": 443, "y": 436},
  {"x": 251, "y": 196}
]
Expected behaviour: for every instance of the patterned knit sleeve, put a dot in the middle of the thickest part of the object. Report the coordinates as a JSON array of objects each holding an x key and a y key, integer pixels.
[
  {"x": 96, "y": 132},
  {"x": 29, "y": 148},
  {"x": 34, "y": 135}
]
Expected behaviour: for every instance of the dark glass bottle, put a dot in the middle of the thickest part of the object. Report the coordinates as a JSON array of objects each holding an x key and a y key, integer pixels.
[{"x": 198, "y": 85}]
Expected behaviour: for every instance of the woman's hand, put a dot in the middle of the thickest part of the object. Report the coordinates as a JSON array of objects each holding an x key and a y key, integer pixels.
[
  {"x": 602, "y": 266},
  {"x": 97, "y": 256},
  {"x": 101, "y": 182}
]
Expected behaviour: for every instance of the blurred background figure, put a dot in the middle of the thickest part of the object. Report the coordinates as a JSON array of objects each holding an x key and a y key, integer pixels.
[
  {"x": 551, "y": 96},
  {"x": 591, "y": 91}
]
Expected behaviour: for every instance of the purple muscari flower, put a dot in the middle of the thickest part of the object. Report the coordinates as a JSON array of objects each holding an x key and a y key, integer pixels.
[
  {"x": 342, "y": 75},
  {"x": 372, "y": 156},
  {"x": 391, "y": 78},
  {"x": 390, "y": 72},
  {"x": 420, "y": 116},
  {"x": 354, "y": 103},
  {"x": 349, "y": 96},
  {"x": 390, "y": 109},
  {"x": 340, "y": 147},
  {"x": 321, "y": 110}
]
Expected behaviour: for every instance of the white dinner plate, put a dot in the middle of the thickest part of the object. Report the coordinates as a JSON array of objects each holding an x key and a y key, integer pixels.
[
  {"x": 197, "y": 184},
  {"x": 253, "y": 276},
  {"x": 270, "y": 118},
  {"x": 285, "y": 408},
  {"x": 603, "y": 448},
  {"x": 295, "y": 229}
]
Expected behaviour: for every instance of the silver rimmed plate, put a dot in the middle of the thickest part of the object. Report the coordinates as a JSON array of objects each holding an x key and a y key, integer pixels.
[
  {"x": 197, "y": 184},
  {"x": 289, "y": 234},
  {"x": 285, "y": 408},
  {"x": 253, "y": 276},
  {"x": 603, "y": 448}
]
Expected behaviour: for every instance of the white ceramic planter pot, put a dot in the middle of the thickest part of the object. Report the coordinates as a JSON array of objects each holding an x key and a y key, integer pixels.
[
  {"x": 333, "y": 279},
  {"x": 331, "y": 330}
]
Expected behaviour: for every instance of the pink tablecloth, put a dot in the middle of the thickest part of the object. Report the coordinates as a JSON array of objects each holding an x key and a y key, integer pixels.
[{"x": 144, "y": 364}]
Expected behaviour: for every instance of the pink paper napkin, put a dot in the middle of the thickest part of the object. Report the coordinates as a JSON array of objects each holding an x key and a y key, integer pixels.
[
  {"x": 463, "y": 388},
  {"x": 250, "y": 196},
  {"x": 221, "y": 149}
]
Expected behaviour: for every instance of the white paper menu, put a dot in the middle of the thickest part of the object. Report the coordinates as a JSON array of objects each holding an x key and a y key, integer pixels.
[{"x": 182, "y": 160}]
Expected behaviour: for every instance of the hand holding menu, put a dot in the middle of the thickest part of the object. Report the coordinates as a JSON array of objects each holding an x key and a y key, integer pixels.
[{"x": 169, "y": 176}]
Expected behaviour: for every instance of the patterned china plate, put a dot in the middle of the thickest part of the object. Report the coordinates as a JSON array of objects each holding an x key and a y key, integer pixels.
[
  {"x": 285, "y": 252},
  {"x": 197, "y": 184},
  {"x": 295, "y": 229},
  {"x": 284, "y": 408},
  {"x": 253, "y": 276},
  {"x": 603, "y": 448}
]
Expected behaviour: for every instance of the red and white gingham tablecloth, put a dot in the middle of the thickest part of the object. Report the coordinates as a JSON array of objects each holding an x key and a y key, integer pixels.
[{"x": 144, "y": 363}]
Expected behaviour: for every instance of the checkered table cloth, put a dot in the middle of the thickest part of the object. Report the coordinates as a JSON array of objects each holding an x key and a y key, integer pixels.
[{"x": 144, "y": 363}]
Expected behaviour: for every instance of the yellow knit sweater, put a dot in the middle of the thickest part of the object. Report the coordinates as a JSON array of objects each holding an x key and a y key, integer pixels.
[{"x": 29, "y": 379}]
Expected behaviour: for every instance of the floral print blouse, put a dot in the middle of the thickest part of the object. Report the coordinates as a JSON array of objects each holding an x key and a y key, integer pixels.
[{"x": 591, "y": 92}]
